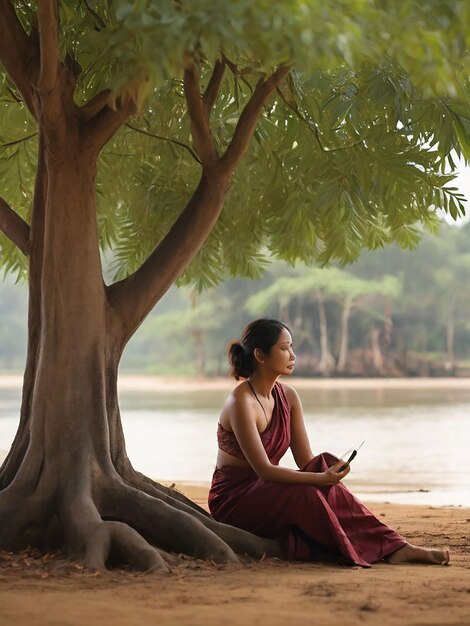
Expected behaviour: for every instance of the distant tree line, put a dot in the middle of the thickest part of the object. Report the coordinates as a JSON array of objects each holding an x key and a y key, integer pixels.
[{"x": 394, "y": 312}]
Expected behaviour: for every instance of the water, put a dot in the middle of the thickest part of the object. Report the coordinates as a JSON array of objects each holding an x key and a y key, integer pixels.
[{"x": 416, "y": 440}]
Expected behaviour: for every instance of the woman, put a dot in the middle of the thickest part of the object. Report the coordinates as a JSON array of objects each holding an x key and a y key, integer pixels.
[{"x": 310, "y": 512}]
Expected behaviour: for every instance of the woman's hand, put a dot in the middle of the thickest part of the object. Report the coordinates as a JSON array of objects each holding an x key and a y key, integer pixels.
[{"x": 332, "y": 476}]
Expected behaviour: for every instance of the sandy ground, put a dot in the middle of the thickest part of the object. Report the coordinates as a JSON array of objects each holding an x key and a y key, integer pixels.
[{"x": 41, "y": 591}]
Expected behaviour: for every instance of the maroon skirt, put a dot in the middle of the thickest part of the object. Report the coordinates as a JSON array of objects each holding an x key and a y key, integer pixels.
[{"x": 311, "y": 523}]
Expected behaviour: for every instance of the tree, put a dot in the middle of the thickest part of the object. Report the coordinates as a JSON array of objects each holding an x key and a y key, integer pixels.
[
  {"x": 302, "y": 288},
  {"x": 453, "y": 293},
  {"x": 356, "y": 294},
  {"x": 321, "y": 286},
  {"x": 352, "y": 146},
  {"x": 203, "y": 316}
]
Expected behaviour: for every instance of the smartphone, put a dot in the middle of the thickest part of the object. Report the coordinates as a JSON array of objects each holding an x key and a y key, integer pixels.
[{"x": 350, "y": 458}]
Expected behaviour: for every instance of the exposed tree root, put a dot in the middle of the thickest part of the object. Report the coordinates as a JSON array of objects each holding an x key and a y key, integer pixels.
[
  {"x": 115, "y": 524},
  {"x": 240, "y": 541},
  {"x": 23, "y": 518},
  {"x": 170, "y": 528},
  {"x": 114, "y": 539}
]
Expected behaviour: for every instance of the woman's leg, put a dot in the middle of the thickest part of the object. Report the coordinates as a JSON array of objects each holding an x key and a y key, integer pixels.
[{"x": 369, "y": 534}]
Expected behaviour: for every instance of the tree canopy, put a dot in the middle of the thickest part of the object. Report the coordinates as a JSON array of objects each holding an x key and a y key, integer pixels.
[{"x": 354, "y": 148}]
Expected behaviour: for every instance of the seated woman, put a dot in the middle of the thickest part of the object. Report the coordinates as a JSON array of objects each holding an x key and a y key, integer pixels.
[{"x": 311, "y": 513}]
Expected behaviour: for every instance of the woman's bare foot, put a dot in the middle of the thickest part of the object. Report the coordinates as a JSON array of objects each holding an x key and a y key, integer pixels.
[{"x": 411, "y": 553}]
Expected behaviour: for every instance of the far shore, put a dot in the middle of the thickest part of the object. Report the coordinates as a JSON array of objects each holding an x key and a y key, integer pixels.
[{"x": 144, "y": 382}]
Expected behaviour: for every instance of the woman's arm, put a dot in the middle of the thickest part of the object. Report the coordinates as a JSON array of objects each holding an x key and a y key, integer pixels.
[
  {"x": 243, "y": 423},
  {"x": 300, "y": 444}
]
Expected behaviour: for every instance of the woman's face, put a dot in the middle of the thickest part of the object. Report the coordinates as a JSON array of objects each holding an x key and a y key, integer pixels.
[{"x": 281, "y": 358}]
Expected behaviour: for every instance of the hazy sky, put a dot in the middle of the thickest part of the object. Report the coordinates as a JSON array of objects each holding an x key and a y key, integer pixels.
[{"x": 463, "y": 183}]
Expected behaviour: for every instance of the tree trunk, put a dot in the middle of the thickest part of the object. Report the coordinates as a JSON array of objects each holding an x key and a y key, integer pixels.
[
  {"x": 450, "y": 333},
  {"x": 388, "y": 322},
  {"x": 198, "y": 338},
  {"x": 377, "y": 357},
  {"x": 67, "y": 478},
  {"x": 284, "y": 314},
  {"x": 327, "y": 361},
  {"x": 344, "y": 342}
]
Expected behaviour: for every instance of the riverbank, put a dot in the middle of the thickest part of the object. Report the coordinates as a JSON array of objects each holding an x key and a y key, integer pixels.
[
  {"x": 141, "y": 382},
  {"x": 274, "y": 592}
]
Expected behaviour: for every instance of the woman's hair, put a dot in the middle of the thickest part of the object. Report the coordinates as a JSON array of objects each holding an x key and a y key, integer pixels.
[{"x": 262, "y": 334}]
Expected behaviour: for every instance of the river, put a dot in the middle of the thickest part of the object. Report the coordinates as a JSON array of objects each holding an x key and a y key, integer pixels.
[{"x": 416, "y": 446}]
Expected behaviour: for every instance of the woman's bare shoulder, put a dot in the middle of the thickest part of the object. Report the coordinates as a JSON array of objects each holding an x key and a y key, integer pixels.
[
  {"x": 238, "y": 396},
  {"x": 237, "y": 406},
  {"x": 291, "y": 394}
]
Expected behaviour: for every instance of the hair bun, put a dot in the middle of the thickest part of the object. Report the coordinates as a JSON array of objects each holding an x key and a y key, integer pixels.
[
  {"x": 238, "y": 359},
  {"x": 236, "y": 349}
]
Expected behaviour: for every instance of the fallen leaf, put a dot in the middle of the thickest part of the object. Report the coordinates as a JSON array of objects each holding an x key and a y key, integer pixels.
[{"x": 76, "y": 566}]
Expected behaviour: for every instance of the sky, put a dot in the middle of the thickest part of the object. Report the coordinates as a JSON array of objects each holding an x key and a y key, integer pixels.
[{"x": 463, "y": 183}]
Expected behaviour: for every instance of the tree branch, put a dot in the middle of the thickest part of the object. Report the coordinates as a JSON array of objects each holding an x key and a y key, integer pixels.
[
  {"x": 249, "y": 119},
  {"x": 104, "y": 124},
  {"x": 293, "y": 107},
  {"x": 17, "y": 141},
  {"x": 169, "y": 139},
  {"x": 213, "y": 88},
  {"x": 197, "y": 110},
  {"x": 134, "y": 297},
  {"x": 14, "y": 227},
  {"x": 17, "y": 52},
  {"x": 314, "y": 129},
  {"x": 95, "y": 104},
  {"x": 48, "y": 45}
]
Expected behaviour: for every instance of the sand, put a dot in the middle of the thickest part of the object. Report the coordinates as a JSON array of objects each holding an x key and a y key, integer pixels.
[
  {"x": 42, "y": 592},
  {"x": 38, "y": 590}
]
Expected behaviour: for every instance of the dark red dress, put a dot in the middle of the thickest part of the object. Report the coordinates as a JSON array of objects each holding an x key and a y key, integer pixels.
[{"x": 311, "y": 523}]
